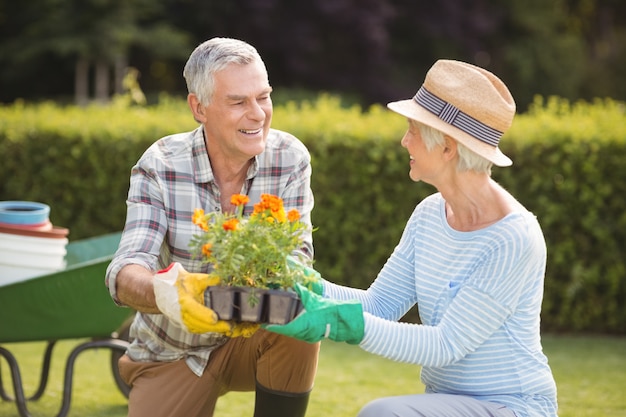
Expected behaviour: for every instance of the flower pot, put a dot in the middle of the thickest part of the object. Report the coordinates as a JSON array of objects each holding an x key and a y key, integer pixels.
[
  {"x": 255, "y": 305},
  {"x": 281, "y": 306},
  {"x": 250, "y": 306},
  {"x": 221, "y": 299}
]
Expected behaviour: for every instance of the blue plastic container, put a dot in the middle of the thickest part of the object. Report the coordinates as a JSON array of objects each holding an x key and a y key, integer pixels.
[{"x": 23, "y": 212}]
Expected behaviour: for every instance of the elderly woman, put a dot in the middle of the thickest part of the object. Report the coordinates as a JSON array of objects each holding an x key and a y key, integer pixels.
[{"x": 471, "y": 257}]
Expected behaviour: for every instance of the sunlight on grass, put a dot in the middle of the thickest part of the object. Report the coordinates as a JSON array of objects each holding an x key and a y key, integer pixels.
[
  {"x": 347, "y": 379},
  {"x": 590, "y": 374}
]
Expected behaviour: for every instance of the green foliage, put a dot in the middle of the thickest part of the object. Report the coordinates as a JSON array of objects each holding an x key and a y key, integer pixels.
[
  {"x": 568, "y": 169},
  {"x": 78, "y": 160},
  {"x": 250, "y": 251}
]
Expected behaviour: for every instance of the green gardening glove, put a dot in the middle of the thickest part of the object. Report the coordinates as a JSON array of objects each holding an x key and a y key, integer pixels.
[
  {"x": 312, "y": 279},
  {"x": 341, "y": 321}
]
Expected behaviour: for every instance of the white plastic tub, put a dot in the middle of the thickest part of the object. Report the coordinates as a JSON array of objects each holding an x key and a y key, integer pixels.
[{"x": 23, "y": 257}]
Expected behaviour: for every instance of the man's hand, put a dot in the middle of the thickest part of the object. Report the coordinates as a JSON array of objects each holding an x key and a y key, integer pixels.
[
  {"x": 194, "y": 314},
  {"x": 180, "y": 296},
  {"x": 341, "y": 321},
  {"x": 312, "y": 279}
]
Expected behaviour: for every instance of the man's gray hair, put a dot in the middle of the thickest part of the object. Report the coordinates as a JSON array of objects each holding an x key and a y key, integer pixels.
[{"x": 213, "y": 56}]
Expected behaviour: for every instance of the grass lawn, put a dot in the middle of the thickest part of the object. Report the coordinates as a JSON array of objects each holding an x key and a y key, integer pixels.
[{"x": 590, "y": 373}]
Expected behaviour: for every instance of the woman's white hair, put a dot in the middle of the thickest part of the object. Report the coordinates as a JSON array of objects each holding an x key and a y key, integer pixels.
[
  {"x": 213, "y": 56},
  {"x": 468, "y": 160}
]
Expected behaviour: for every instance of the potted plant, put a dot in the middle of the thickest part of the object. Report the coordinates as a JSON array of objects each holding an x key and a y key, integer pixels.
[{"x": 250, "y": 256}]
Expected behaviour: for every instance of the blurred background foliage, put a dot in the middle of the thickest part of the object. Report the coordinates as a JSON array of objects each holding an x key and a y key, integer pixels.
[
  {"x": 568, "y": 146},
  {"x": 371, "y": 51},
  {"x": 568, "y": 170}
]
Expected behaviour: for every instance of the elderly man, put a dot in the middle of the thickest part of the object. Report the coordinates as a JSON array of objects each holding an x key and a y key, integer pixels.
[{"x": 176, "y": 370}]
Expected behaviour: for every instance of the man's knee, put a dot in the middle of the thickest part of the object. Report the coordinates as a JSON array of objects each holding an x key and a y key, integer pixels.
[{"x": 288, "y": 365}]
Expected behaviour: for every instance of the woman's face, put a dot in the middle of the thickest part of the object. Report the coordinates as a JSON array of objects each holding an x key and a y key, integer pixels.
[{"x": 424, "y": 164}]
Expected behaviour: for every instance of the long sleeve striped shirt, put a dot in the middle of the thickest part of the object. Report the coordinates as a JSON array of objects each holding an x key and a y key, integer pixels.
[
  {"x": 479, "y": 298},
  {"x": 169, "y": 181}
]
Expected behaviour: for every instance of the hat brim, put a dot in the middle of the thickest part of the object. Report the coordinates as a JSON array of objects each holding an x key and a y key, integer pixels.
[{"x": 409, "y": 108}]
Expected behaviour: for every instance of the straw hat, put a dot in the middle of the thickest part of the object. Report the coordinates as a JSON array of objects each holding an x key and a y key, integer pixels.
[{"x": 465, "y": 102}]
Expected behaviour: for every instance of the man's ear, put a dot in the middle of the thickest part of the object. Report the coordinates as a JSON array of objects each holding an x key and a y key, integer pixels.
[
  {"x": 197, "y": 109},
  {"x": 450, "y": 147}
]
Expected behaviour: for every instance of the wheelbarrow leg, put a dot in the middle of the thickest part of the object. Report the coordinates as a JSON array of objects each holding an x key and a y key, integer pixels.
[
  {"x": 43, "y": 381},
  {"x": 114, "y": 344},
  {"x": 3, "y": 394},
  {"x": 20, "y": 400},
  {"x": 45, "y": 371}
]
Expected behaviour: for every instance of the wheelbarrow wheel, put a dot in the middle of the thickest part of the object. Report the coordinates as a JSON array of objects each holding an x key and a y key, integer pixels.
[{"x": 123, "y": 334}]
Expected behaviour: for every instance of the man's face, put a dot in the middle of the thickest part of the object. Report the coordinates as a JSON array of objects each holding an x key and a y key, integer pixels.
[{"x": 238, "y": 118}]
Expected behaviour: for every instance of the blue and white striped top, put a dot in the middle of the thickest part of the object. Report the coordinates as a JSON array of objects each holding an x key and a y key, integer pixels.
[{"x": 479, "y": 296}]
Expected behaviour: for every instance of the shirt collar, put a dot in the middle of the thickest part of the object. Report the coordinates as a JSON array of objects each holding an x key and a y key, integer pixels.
[{"x": 202, "y": 166}]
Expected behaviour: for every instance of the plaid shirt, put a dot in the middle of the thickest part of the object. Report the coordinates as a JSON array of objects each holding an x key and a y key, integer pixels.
[{"x": 169, "y": 181}]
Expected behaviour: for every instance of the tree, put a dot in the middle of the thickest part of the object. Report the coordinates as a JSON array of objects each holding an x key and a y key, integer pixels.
[
  {"x": 373, "y": 50},
  {"x": 90, "y": 32}
]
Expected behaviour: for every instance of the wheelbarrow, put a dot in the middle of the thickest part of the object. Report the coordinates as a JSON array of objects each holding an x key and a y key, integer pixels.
[{"x": 70, "y": 304}]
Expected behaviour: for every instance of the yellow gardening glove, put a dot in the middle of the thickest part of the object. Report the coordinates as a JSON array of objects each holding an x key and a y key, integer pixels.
[
  {"x": 180, "y": 296},
  {"x": 196, "y": 317}
]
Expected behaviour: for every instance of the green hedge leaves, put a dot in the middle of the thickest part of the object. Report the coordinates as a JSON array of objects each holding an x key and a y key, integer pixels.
[{"x": 569, "y": 169}]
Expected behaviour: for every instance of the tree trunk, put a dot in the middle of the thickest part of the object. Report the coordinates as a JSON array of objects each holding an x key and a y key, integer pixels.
[
  {"x": 120, "y": 72},
  {"x": 81, "y": 82},
  {"x": 102, "y": 81}
]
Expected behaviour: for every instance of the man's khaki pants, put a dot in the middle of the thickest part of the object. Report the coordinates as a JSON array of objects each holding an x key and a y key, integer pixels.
[{"x": 170, "y": 389}]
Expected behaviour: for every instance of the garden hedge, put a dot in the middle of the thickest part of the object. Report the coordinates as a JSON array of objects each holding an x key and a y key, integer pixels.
[{"x": 568, "y": 169}]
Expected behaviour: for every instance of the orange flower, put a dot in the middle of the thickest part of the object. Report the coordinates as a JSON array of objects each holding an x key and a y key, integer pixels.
[
  {"x": 230, "y": 224},
  {"x": 239, "y": 199},
  {"x": 268, "y": 202},
  {"x": 262, "y": 205},
  {"x": 293, "y": 215},
  {"x": 206, "y": 249},
  {"x": 250, "y": 251},
  {"x": 274, "y": 205},
  {"x": 199, "y": 220}
]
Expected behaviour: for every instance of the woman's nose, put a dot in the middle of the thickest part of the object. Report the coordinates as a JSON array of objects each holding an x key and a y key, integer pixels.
[{"x": 404, "y": 140}]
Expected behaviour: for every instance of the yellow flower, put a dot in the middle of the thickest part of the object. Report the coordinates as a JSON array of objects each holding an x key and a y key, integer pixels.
[{"x": 199, "y": 220}]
